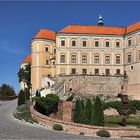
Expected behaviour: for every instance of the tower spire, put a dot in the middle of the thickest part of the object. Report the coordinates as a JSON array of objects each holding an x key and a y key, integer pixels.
[{"x": 100, "y": 21}]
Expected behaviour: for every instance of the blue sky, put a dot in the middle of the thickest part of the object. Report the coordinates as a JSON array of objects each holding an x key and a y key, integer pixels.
[{"x": 20, "y": 21}]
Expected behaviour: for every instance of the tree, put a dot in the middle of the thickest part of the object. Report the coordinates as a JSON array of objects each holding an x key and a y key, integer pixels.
[
  {"x": 87, "y": 116},
  {"x": 6, "y": 90},
  {"x": 21, "y": 97},
  {"x": 78, "y": 113},
  {"x": 24, "y": 74},
  {"x": 97, "y": 113}
]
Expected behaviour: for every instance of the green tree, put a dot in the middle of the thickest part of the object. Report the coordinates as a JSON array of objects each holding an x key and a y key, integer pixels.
[
  {"x": 21, "y": 97},
  {"x": 24, "y": 74},
  {"x": 78, "y": 113},
  {"x": 87, "y": 116},
  {"x": 97, "y": 113},
  {"x": 6, "y": 90}
]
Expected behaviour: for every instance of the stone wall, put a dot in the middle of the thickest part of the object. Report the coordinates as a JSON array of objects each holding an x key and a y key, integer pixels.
[
  {"x": 93, "y": 85},
  {"x": 87, "y": 129}
]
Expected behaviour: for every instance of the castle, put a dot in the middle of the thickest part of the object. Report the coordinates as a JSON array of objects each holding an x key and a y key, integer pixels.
[{"x": 87, "y": 50}]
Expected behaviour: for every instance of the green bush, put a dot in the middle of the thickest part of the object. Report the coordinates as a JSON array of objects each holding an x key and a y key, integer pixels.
[
  {"x": 57, "y": 127},
  {"x": 78, "y": 113},
  {"x": 87, "y": 116},
  {"x": 97, "y": 113},
  {"x": 47, "y": 105},
  {"x": 21, "y": 98},
  {"x": 103, "y": 133}
]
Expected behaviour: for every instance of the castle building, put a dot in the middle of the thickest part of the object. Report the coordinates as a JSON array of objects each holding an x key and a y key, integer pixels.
[{"x": 83, "y": 49}]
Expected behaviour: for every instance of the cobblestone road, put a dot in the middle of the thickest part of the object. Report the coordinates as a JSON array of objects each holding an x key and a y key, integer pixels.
[{"x": 13, "y": 129}]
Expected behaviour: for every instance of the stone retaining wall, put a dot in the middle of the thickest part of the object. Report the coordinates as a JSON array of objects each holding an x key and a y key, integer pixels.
[{"x": 87, "y": 129}]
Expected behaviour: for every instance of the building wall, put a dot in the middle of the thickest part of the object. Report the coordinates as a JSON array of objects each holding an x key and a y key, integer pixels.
[
  {"x": 39, "y": 67},
  {"x": 90, "y": 51}
]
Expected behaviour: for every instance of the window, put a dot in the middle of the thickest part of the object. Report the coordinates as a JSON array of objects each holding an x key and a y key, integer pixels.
[
  {"x": 107, "y": 59},
  {"x": 84, "y": 59},
  {"x": 46, "y": 49},
  {"x": 47, "y": 62},
  {"x": 131, "y": 67},
  {"x": 96, "y": 71},
  {"x": 53, "y": 62},
  {"x": 118, "y": 71},
  {"x": 129, "y": 58},
  {"x": 96, "y": 60},
  {"x": 84, "y": 71},
  {"x": 96, "y": 43},
  {"x": 107, "y": 71},
  {"x": 107, "y": 43},
  {"x": 139, "y": 54},
  {"x": 129, "y": 42},
  {"x": 54, "y": 50},
  {"x": 117, "y": 44},
  {"x": 73, "y": 58},
  {"x": 117, "y": 59},
  {"x": 84, "y": 43},
  {"x": 73, "y": 71},
  {"x": 62, "y": 60},
  {"x": 62, "y": 42},
  {"x": 73, "y": 43}
]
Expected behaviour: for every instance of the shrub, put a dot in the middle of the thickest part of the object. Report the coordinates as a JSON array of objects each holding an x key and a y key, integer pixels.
[
  {"x": 21, "y": 98},
  {"x": 57, "y": 127},
  {"x": 103, "y": 133},
  {"x": 97, "y": 113},
  {"x": 87, "y": 116},
  {"x": 78, "y": 113},
  {"x": 47, "y": 105}
]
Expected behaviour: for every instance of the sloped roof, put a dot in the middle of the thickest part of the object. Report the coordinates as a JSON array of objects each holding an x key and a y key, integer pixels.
[
  {"x": 104, "y": 30},
  {"x": 100, "y": 30},
  {"x": 27, "y": 59},
  {"x": 133, "y": 27},
  {"x": 45, "y": 34}
]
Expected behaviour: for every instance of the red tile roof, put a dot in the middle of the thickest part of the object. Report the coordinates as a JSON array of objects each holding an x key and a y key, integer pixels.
[
  {"x": 133, "y": 27},
  {"x": 27, "y": 59},
  {"x": 105, "y": 30},
  {"x": 45, "y": 34},
  {"x": 101, "y": 30}
]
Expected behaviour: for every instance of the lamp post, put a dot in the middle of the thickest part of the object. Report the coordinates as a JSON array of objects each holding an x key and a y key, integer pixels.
[{"x": 24, "y": 82}]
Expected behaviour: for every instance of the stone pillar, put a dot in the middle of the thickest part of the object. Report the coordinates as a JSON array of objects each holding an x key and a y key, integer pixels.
[{"x": 67, "y": 111}]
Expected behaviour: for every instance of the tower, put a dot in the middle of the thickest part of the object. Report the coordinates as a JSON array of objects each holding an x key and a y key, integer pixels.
[{"x": 100, "y": 21}]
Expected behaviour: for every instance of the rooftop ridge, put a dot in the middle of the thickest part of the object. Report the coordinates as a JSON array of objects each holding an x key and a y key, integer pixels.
[{"x": 97, "y": 25}]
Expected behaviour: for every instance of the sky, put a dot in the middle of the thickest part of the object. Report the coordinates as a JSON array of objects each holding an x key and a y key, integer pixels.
[{"x": 20, "y": 21}]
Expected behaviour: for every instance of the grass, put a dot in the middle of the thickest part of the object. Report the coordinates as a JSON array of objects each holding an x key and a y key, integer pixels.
[
  {"x": 113, "y": 121},
  {"x": 23, "y": 113}
]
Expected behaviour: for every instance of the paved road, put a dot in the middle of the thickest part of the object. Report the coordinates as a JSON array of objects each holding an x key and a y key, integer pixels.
[{"x": 13, "y": 129}]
